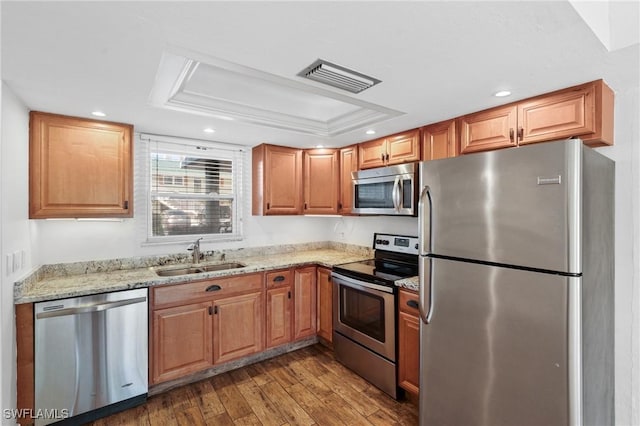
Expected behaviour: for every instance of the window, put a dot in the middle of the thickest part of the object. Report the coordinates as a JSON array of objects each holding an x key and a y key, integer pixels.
[{"x": 194, "y": 189}]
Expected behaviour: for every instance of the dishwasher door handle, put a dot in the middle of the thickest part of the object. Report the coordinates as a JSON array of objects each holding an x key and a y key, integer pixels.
[{"x": 90, "y": 308}]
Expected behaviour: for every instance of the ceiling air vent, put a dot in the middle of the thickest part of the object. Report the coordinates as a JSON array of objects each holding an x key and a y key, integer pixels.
[{"x": 337, "y": 76}]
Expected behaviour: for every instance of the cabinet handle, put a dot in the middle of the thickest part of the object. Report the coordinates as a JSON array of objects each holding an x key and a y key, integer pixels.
[
  {"x": 214, "y": 287},
  {"x": 278, "y": 278},
  {"x": 511, "y": 135},
  {"x": 382, "y": 156},
  {"x": 520, "y": 133},
  {"x": 126, "y": 204},
  {"x": 305, "y": 206},
  {"x": 268, "y": 206},
  {"x": 289, "y": 294},
  {"x": 412, "y": 304},
  {"x": 210, "y": 310},
  {"x": 215, "y": 310},
  {"x": 387, "y": 157},
  {"x": 339, "y": 205}
]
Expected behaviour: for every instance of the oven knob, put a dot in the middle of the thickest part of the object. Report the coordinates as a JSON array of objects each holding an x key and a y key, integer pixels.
[
  {"x": 378, "y": 241},
  {"x": 385, "y": 242},
  {"x": 416, "y": 246}
]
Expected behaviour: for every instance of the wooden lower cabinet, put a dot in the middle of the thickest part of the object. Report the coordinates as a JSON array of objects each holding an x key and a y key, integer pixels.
[
  {"x": 181, "y": 340},
  {"x": 325, "y": 304},
  {"x": 199, "y": 324},
  {"x": 279, "y": 308},
  {"x": 237, "y": 327},
  {"x": 305, "y": 294},
  {"x": 408, "y": 342}
]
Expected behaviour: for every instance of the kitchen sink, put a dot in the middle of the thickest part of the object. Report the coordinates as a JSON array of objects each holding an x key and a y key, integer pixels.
[{"x": 198, "y": 269}]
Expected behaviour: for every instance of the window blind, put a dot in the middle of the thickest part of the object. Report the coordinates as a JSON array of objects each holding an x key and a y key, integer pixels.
[{"x": 195, "y": 189}]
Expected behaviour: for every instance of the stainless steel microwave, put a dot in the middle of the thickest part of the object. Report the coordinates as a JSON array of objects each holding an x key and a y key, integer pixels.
[{"x": 389, "y": 190}]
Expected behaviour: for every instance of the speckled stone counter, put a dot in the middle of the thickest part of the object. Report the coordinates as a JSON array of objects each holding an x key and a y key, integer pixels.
[
  {"x": 81, "y": 278},
  {"x": 409, "y": 283}
]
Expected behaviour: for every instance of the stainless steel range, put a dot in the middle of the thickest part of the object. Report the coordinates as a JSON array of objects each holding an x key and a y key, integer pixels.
[{"x": 364, "y": 318}]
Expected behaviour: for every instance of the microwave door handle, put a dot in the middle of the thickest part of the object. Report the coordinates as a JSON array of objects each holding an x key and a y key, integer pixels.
[{"x": 396, "y": 195}]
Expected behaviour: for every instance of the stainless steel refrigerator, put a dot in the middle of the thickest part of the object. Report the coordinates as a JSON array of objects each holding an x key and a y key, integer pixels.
[{"x": 516, "y": 287}]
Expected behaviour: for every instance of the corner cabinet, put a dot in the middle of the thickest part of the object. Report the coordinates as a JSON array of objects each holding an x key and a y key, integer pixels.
[
  {"x": 276, "y": 180},
  {"x": 325, "y": 305},
  {"x": 79, "y": 168},
  {"x": 408, "y": 342}
]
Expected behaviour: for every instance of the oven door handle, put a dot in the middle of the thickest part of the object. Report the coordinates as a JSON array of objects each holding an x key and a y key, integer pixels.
[{"x": 361, "y": 285}]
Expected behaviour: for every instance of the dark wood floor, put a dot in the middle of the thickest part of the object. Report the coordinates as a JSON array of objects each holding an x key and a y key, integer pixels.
[{"x": 305, "y": 387}]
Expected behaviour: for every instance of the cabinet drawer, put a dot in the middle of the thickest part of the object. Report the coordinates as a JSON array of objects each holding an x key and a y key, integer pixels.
[
  {"x": 207, "y": 289},
  {"x": 280, "y": 278},
  {"x": 408, "y": 302}
]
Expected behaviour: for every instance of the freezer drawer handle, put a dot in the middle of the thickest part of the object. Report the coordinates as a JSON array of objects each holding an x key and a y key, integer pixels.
[{"x": 90, "y": 308}]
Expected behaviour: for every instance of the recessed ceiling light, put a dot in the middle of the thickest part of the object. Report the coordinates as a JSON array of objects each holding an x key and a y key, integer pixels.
[
  {"x": 370, "y": 132},
  {"x": 502, "y": 93},
  {"x": 99, "y": 114},
  {"x": 319, "y": 146},
  {"x": 209, "y": 130}
]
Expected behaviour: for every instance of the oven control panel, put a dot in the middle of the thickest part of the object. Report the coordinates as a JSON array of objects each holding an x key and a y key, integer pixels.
[{"x": 395, "y": 243}]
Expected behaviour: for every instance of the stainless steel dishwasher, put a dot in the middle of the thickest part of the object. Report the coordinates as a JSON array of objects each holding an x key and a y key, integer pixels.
[{"x": 91, "y": 355}]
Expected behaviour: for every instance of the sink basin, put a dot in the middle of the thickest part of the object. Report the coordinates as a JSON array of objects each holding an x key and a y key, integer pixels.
[{"x": 198, "y": 269}]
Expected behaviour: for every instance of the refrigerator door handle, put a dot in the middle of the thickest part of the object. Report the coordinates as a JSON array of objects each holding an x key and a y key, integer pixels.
[
  {"x": 426, "y": 274},
  {"x": 424, "y": 221},
  {"x": 396, "y": 194}
]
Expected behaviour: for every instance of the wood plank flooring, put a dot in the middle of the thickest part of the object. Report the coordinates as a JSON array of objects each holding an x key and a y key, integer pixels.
[{"x": 305, "y": 387}]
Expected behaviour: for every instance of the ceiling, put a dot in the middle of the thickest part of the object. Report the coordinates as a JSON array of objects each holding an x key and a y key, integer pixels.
[{"x": 436, "y": 60}]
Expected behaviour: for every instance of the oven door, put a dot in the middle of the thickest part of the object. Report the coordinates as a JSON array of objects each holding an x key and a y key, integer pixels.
[{"x": 365, "y": 313}]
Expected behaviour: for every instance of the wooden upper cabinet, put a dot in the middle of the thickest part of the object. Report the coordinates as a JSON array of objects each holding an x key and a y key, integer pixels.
[
  {"x": 487, "y": 130},
  {"x": 321, "y": 181},
  {"x": 276, "y": 180},
  {"x": 573, "y": 112},
  {"x": 79, "y": 167},
  {"x": 403, "y": 147},
  {"x": 394, "y": 149},
  {"x": 584, "y": 111},
  {"x": 348, "y": 164},
  {"x": 372, "y": 154},
  {"x": 439, "y": 141}
]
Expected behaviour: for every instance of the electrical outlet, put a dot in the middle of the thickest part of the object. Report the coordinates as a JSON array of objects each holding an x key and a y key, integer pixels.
[{"x": 16, "y": 261}]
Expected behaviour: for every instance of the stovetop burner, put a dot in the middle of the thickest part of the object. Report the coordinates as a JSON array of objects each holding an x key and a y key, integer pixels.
[{"x": 396, "y": 257}]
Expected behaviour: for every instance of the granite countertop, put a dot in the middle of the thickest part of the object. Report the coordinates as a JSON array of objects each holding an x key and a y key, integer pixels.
[
  {"x": 411, "y": 283},
  {"x": 82, "y": 278}
]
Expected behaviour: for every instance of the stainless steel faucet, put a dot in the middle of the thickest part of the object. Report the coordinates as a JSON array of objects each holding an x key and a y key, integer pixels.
[{"x": 195, "y": 248}]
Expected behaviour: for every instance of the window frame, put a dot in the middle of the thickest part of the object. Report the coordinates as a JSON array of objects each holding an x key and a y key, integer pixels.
[{"x": 192, "y": 148}]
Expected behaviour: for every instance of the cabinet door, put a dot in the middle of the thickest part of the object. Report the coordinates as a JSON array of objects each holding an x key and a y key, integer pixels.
[
  {"x": 403, "y": 147},
  {"x": 237, "y": 325},
  {"x": 304, "y": 293},
  {"x": 181, "y": 341},
  {"x": 279, "y": 302},
  {"x": 277, "y": 180},
  {"x": 487, "y": 130},
  {"x": 79, "y": 168},
  {"x": 348, "y": 164},
  {"x": 321, "y": 181},
  {"x": 408, "y": 342},
  {"x": 372, "y": 154},
  {"x": 556, "y": 116},
  {"x": 439, "y": 141},
  {"x": 325, "y": 304}
]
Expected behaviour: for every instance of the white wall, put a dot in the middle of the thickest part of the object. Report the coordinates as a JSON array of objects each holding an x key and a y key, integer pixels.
[{"x": 15, "y": 228}]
